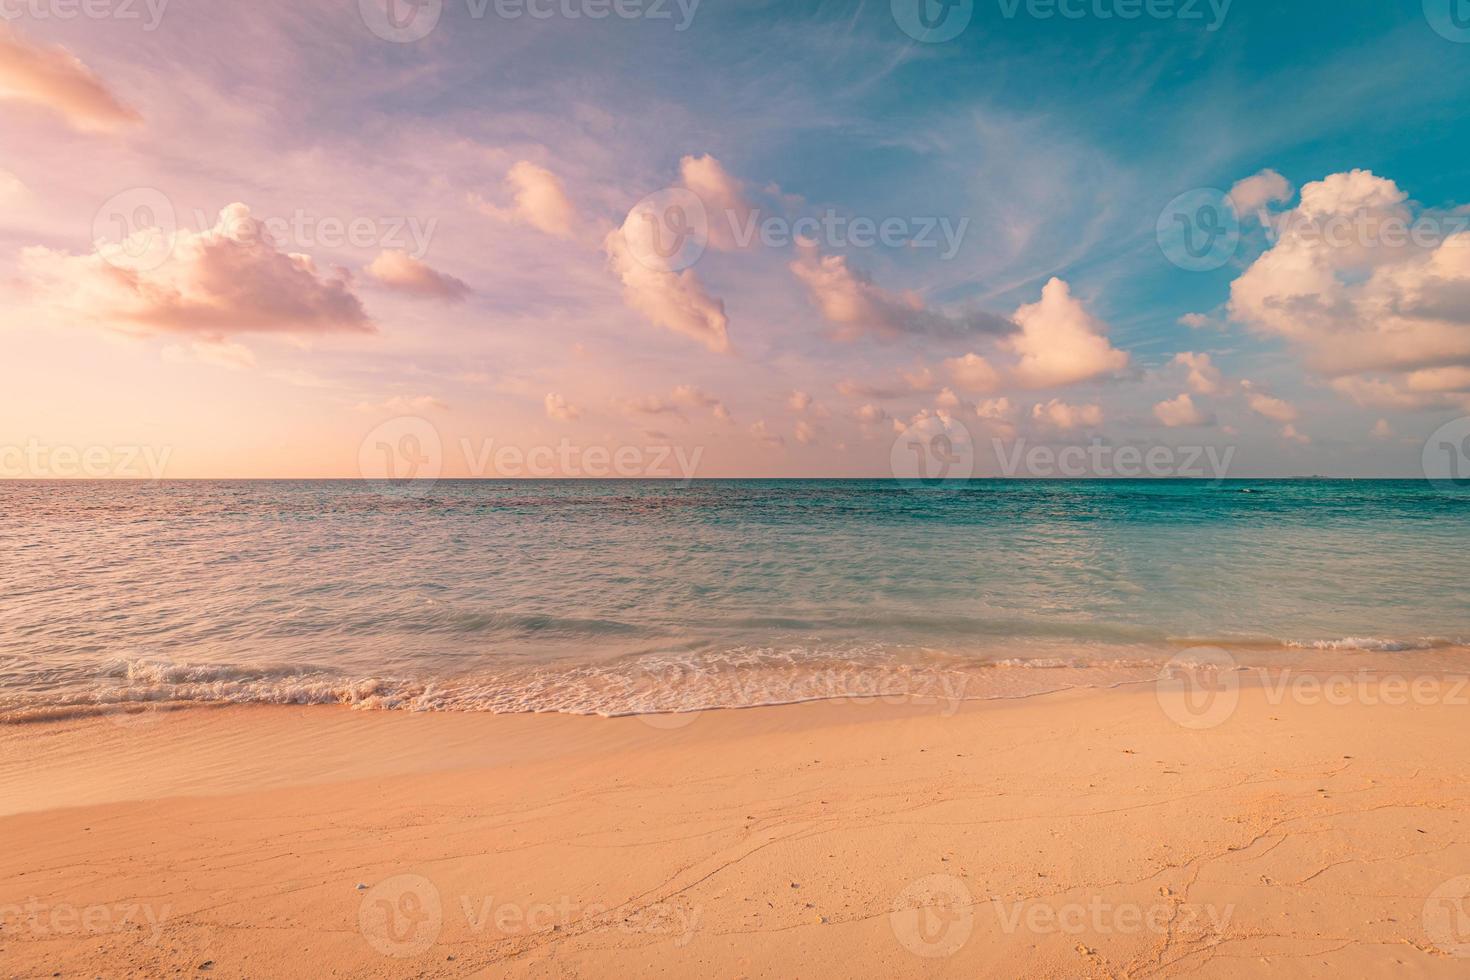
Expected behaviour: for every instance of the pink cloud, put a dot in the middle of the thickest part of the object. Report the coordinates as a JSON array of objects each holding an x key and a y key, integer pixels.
[
  {"x": 676, "y": 301},
  {"x": 726, "y": 208},
  {"x": 1179, "y": 412},
  {"x": 1204, "y": 377},
  {"x": 1061, "y": 415},
  {"x": 540, "y": 200},
  {"x": 403, "y": 273},
  {"x": 228, "y": 279},
  {"x": 53, "y": 77},
  {"x": 1355, "y": 285},
  {"x": 857, "y": 306},
  {"x": 973, "y": 373},
  {"x": 1268, "y": 406},
  {"x": 1060, "y": 343}
]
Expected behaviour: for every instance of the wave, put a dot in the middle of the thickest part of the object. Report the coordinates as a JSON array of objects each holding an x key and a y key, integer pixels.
[{"x": 1379, "y": 644}]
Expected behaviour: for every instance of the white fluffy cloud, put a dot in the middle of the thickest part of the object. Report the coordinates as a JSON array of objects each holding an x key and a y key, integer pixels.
[
  {"x": 539, "y": 199},
  {"x": 400, "y": 271},
  {"x": 726, "y": 208},
  {"x": 1204, "y": 377},
  {"x": 973, "y": 373},
  {"x": 1268, "y": 406},
  {"x": 1061, "y": 415},
  {"x": 1179, "y": 412},
  {"x": 53, "y": 77},
  {"x": 1251, "y": 195},
  {"x": 676, "y": 301},
  {"x": 229, "y": 279},
  {"x": 1060, "y": 343},
  {"x": 1369, "y": 295}
]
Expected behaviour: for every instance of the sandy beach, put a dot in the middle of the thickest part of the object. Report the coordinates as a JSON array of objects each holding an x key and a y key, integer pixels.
[{"x": 1085, "y": 834}]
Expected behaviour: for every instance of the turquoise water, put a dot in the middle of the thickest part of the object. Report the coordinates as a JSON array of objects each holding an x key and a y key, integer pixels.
[{"x": 614, "y": 597}]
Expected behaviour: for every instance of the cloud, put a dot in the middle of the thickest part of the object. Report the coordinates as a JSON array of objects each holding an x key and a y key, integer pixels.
[
  {"x": 870, "y": 414},
  {"x": 973, "y": 373},
  {"x": 228, "y": 279},
  {"x": 805, "y": 433},
  {"x": 1290, "y": 434},
  {"x": 682, "y": 399},
  {"x": 53, "y": 77},
  {"x": 400, "y": 271},
  {"x": 1198, "y": 321},
  {"x": 1059, "y": 414},
  {"x": 996, "y": 410},
  {"x": 1265, "y": 405},
  {"x": 540, "y": 201},
  {"x": 762, "y": 432},
  {"x": 919, "y": 380},
  {"x": 726, "y": 208},
  {"x": 1250, "y": 196},
  {"x": 557, "y": 408},
  {"x": 1364, "y": 291},
  {"x": 1178, "y": 412},
  {"x": 858, "y": 307},
  {"x": 676, "y": 301},
  {"x": 1204, "y": 377},
  {"x": 1382, "y": 430},
  {"x": 1060, "y": 343}
]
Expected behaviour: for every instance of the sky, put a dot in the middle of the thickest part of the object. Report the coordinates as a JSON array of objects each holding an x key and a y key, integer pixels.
[{"x": 719, "y": 238}]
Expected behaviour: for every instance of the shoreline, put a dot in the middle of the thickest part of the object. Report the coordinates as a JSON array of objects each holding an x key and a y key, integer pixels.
[{"x": 1086, "y": 833}]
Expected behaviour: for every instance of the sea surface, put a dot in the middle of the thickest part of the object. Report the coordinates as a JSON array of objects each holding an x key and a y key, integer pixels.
[{"x": 618, "y": 597}]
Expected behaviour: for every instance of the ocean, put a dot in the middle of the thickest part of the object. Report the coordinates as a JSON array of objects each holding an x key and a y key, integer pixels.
[{"x": 619, "y": 597}]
